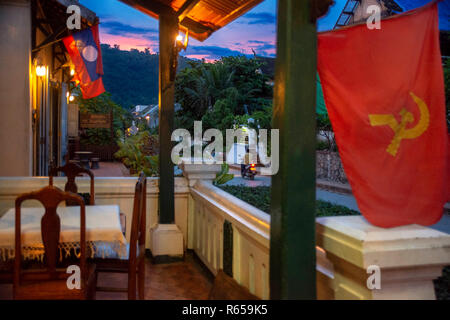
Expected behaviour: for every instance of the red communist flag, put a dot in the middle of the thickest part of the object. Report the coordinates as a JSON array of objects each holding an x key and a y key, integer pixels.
[{"x": 384, "y": 91}]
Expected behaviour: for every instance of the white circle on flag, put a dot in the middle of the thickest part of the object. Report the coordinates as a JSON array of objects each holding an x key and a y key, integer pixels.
[{"x": 90, "y": 53}]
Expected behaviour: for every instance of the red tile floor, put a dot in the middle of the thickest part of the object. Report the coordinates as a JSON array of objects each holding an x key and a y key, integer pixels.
[
  {"x": 186, "y": 280},
  {"x": 111, "y": 169}
]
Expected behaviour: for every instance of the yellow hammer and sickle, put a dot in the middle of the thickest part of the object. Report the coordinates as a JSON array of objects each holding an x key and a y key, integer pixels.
[{"x": 400, "y": 131}]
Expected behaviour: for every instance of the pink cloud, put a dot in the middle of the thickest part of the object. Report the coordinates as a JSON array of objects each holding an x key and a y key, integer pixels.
[{"x": 128, "y": 43}]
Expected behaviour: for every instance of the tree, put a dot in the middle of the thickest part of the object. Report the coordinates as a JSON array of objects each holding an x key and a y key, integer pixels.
[
  {"x": 223, "y": 93},
  {"x": 102, "y": 104}
]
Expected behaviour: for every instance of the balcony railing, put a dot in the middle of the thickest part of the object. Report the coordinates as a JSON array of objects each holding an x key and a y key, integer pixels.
[{"x": 227, "y": 233}]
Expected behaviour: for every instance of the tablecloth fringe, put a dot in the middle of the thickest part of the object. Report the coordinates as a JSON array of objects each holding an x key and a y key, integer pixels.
[{"x": 37, "y": 252}]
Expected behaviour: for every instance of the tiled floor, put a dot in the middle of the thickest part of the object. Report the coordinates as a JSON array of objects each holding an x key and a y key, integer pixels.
[
  {"x": 111, "y": 169},
  {"x": 185, "y": 280}
]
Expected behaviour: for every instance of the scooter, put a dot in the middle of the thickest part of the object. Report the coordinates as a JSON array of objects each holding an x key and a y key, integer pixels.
[{"x": 249, "y": 171}]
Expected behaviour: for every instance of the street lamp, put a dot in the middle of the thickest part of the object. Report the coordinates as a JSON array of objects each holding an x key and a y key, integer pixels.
[
  {"x": 180, "y": 45},
  {"x": 41, "y": 70}
]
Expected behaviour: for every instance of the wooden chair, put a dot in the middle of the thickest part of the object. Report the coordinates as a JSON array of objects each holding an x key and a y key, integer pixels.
[
  {"x": 71, "y": 171},
  {"x": 49, "y": 281},
  {"x": 134, "y": 262},
  {"x": 226, "y": 288}
]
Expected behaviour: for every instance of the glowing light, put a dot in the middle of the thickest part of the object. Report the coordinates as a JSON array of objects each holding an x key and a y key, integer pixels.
[
  {"x": 41, "y": 71},
  {"x": 67, "y": 94},
  {"x": 71, "y": 98},
  {"x": 182, "y": 43},
  {"x": 147, "y": 117},
  {"x": 72, "y": 72}
]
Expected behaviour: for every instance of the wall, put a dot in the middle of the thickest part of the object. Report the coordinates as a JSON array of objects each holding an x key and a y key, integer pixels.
[
  {"x": 15, "y": 114},
  {"x": 361, "y": 14},
  {"x": 329, "y": 167}
]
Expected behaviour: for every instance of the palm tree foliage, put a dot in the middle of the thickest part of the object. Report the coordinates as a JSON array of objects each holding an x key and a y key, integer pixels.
[{"x": 223, "y": 94}]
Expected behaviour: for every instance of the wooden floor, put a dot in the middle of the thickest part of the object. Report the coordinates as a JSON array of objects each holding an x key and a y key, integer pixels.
[{"x": 185, "y": 280}]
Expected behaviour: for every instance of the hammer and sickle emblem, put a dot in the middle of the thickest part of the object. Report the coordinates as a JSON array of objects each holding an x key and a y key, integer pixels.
[{"x": 400, "y": 130}]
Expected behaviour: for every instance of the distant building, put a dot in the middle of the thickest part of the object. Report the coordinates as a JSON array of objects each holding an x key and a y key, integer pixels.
[
  {"x": 139, "y": 108},
  {"x": 151, "y": 113},
  {"x": 355, "y": 11}
]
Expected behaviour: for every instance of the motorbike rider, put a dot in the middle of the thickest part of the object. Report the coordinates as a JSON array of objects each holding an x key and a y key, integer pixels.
[{"x": 246, "y": 159}]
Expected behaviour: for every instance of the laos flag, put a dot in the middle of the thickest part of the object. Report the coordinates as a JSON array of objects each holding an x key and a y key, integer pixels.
[{"x": 84, "y": 50}]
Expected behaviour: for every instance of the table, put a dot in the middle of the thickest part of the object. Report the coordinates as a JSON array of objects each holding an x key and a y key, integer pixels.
[
  {"x": 84, "y": 158},
  {"x": 103, "y": 230}
]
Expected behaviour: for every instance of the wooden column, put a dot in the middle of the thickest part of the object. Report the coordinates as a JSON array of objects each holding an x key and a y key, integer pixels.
[
  {"x": 292, "y": 238},
  {"x": 168, "y": 30}
]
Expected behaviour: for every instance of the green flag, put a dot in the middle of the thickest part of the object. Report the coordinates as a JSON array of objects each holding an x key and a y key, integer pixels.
[{"x": 320, "y": 103}]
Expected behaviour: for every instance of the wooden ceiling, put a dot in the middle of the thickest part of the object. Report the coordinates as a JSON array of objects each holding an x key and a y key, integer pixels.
[{"x": 200, "y": 17}]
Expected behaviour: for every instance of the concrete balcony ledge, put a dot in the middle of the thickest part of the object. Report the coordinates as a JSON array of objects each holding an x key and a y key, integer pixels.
[
  {"x": 408, "y": 257},
  {"x": 250, "y": 219},
  {"x": 103, "y": 185},
  {"x": 195, "y": 169}
]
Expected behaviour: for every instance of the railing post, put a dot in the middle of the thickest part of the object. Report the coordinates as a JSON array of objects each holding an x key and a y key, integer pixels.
[
  {"x": 168, "y": 30},
  {"x": 166, "y": 239},
  {"x": 373, "y": 263},
  {"x": 292, "y": 237}
]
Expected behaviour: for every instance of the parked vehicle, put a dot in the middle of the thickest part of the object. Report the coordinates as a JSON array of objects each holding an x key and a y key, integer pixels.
[{"x": 248, "y": 171}]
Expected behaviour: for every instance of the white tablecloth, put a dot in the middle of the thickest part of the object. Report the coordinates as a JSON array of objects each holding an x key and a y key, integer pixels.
[{"x": 102, "y": 227}]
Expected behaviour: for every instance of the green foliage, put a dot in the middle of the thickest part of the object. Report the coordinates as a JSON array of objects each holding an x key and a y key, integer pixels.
[
  {"x": 259, "y": 197},
  {"x": 442, "y": 285},
  {"x": 132, "y": 76},
  {"x": 325, "y": 130},
  {"x": 102, "y": 104},
  {"x": 262, "y": 118},
  {"x": 132, "y": 155},
  {"x": 223, "y": 176},
  {"x": 328, "y": 209},
  {"x": 223, "y": 94}
]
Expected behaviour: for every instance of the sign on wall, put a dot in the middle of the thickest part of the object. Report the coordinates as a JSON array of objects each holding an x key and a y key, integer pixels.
[
  {"x": 72, "y": 120},
  {"x": 88, "y": 120}
]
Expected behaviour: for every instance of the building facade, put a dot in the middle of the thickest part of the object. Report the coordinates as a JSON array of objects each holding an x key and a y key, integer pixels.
[{"x": 34, "y": 84}]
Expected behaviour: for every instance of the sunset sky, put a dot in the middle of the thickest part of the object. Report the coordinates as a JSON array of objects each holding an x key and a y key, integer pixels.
[{"x": 129, "y": 28}]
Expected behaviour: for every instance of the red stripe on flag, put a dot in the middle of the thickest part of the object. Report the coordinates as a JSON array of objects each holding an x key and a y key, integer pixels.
[
  {"x": 95, "y": 33},
  {"x": 92, "y": 89},
  {"x": 77, "y": 60}
]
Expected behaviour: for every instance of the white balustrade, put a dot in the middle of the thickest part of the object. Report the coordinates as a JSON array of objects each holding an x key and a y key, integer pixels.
[{"x": 212, "y": 206}]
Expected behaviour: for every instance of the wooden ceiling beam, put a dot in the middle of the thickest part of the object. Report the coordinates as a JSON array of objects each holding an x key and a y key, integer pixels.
[
  {"x": 186, "y": 8},
  {"x": 152, "y": 7},
  {"x": 197, "y": 27}
]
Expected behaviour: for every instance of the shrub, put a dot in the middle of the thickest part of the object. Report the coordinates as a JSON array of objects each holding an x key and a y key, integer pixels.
[
  {"x": 131, "y": 153},
  {"x": 259, "y": 197}
]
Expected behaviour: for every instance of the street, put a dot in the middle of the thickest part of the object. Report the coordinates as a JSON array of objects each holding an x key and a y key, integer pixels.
[{"x": 346, "y": 200}]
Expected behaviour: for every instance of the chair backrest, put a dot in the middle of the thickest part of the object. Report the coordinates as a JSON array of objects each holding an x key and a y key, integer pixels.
[
  {"x": 50, "y": 197},
  {"x": 71, "y": 171},
  {"x": 137, "y": 235}
]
